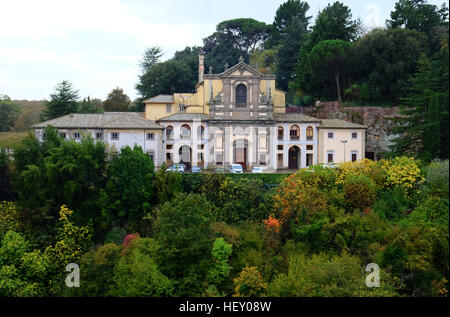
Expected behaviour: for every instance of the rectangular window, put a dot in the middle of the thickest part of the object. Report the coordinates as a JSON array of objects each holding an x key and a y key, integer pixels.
[
  {"x": 169, "y": 108},
  {"x": 280, "y": 160},
  {"x": 309, "y": 147},
  {"x": 169, "y": 156},
  {"x": 44, "y": 135},
  {"x": 354, "y": 135},
  {"x": 99, "y": 135},
  {"x": 309, "y": 159},
  {"x": 354, "y": 156},
  {"x": 330, "y": 135},
  {"x": 150, "y": 136},
  {"x": 219, "y": 158},
  {"x": 63, "y": 135},
  {"x": 330, "y": 158},
  {"x": 262, "y": 159},
  {"x": 115, "y": 136},
  {"x": 169, "y": 147},
  {"x": 200, "y": 146},
  {"x": 280, "y": 148},
  {"x": 76, "y": 135}
]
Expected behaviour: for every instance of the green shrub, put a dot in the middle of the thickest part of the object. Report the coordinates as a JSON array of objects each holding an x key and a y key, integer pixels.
[
  {"x": 437, "y": 179},
  {"x": 325, "y": 275},
  {"x": 116, "y": 235},
  {"x": 359, "y": 192},
  {"x": 392, "y": 204}
]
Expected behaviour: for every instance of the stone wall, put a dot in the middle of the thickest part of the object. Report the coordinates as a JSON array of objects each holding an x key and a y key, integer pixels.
[{"x": 377, "y": 119}]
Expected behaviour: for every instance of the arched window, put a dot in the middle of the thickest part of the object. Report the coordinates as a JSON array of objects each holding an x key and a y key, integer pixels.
[
  {"x": 309, "y": 133},
  {"x": 241, "y": 95},
  {"x": 280, "y": 133},
  {"x": 200, "y": 132},
  {"x": 185, "y": 131},
  {"x": 294, "y": 132},
  {"x": 169, "y": 132}
]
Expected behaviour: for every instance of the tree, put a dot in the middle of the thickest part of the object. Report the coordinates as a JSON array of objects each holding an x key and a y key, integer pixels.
[
  {"x": 328, "y": 58},
  {"x": 117, "y": 101},
  {"x": 5, "y": 174},
  {"x": 63, "y": 101},
  {"x": 289, "y": 33},
  {"x": 129, "y": 192},
  {"x": 385, "y": 59},
  {"x": 219, "y": 51},
  {"x": 220, "y": 252},
  {"x": 334, "y": 22},
  {"x": 177, "y": 74},
  {"x": 246, "y": 34},
  {"x": 9, "y": 112},
  {"x": 151, "y": 57},
  {"x": 88, "y": 105},
  {"x": 137, "y": 273},
  {"x": 249, "y": 283},
  {"x": 420, "y": 16},
  {"x": 54, "y": 172},
  {"x": 287, "y": 13},
  {"x": 182, "y": 229},
  {"x": 419, "y": 129}
]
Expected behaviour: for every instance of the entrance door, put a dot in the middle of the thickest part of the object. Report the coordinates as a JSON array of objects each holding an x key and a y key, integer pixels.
[
  {"x": 294, "y": 157},
  {"x": 241, "y": 157}
]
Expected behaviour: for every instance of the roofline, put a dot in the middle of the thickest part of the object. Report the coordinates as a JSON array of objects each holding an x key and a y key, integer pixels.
[
  {"x": 99, "y": 128},
  {"x": 362, "y": 127}
]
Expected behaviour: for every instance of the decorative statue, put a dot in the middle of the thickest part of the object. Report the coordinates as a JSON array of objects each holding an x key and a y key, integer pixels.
[
  {"x": 210, "y": 69},
  {"x": 226, "y": 66},
  {"x": 218, "y": 98}
]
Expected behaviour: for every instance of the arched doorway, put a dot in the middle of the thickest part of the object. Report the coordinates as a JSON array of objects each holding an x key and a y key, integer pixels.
[
  {"x": 240, "y": 152},
  {"x": 185, "y": 155},
  {"x": 294, "y": 157}
]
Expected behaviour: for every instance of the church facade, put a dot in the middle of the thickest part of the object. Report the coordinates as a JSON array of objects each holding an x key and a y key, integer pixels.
[{"x": 237, "y": 116}]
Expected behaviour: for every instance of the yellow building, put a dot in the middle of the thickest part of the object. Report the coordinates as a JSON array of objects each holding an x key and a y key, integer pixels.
[
  {"x": 235, "y": 117},
  {"x": 239, "y": 116}
]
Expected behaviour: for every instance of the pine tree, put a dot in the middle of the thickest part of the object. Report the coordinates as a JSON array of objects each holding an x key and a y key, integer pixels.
[
  {"x": 419, "y": 128},
  {"x": 62, "y": 102}
]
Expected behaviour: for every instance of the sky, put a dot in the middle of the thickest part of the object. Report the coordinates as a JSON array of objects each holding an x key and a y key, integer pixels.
[{"x": 97, "y": 44}]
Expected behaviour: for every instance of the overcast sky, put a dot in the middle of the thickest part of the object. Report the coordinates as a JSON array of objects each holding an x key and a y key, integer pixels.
[{"x": 97, "y": 44}]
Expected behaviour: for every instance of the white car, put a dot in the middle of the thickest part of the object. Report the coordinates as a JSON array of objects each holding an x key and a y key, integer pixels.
[
  {"x": 330, "y": 165},
  {"x": 236, "y": 169},
  {"x": 176, "y": 168},
  {"x": 257, "y": 169}
]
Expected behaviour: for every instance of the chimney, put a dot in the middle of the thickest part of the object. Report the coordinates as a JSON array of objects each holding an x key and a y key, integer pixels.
[{"x": 201, "y": 67}]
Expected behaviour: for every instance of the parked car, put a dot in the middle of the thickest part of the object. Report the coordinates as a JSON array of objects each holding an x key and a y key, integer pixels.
[
  {"x": 236, "y": 169},
  {"x": 219, "y": 170},
  {"x": 176, "y": 168},
  {"x": 196, "y": 169},
  {"x": 330, "y": 165},
  {"x": 257, "y": 169}
]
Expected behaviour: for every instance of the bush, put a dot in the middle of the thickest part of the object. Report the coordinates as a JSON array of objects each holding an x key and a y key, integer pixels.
[
  {"x": 116, "y": 235},
  {"x": 182, "y": 229},
  {"x": 137, "y": 273},
  {"x": 405, "y": 172},
  {"x": 392, "y": 204},
  {"x": 359, "y": 192},
  {"x": 249, "y": 283},
  {"x": 437, "y": 179},
  {"x": 325, "y": 275}
]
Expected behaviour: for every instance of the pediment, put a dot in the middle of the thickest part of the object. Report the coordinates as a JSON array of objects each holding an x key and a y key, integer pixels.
[{"x": 241, "y": 70}]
